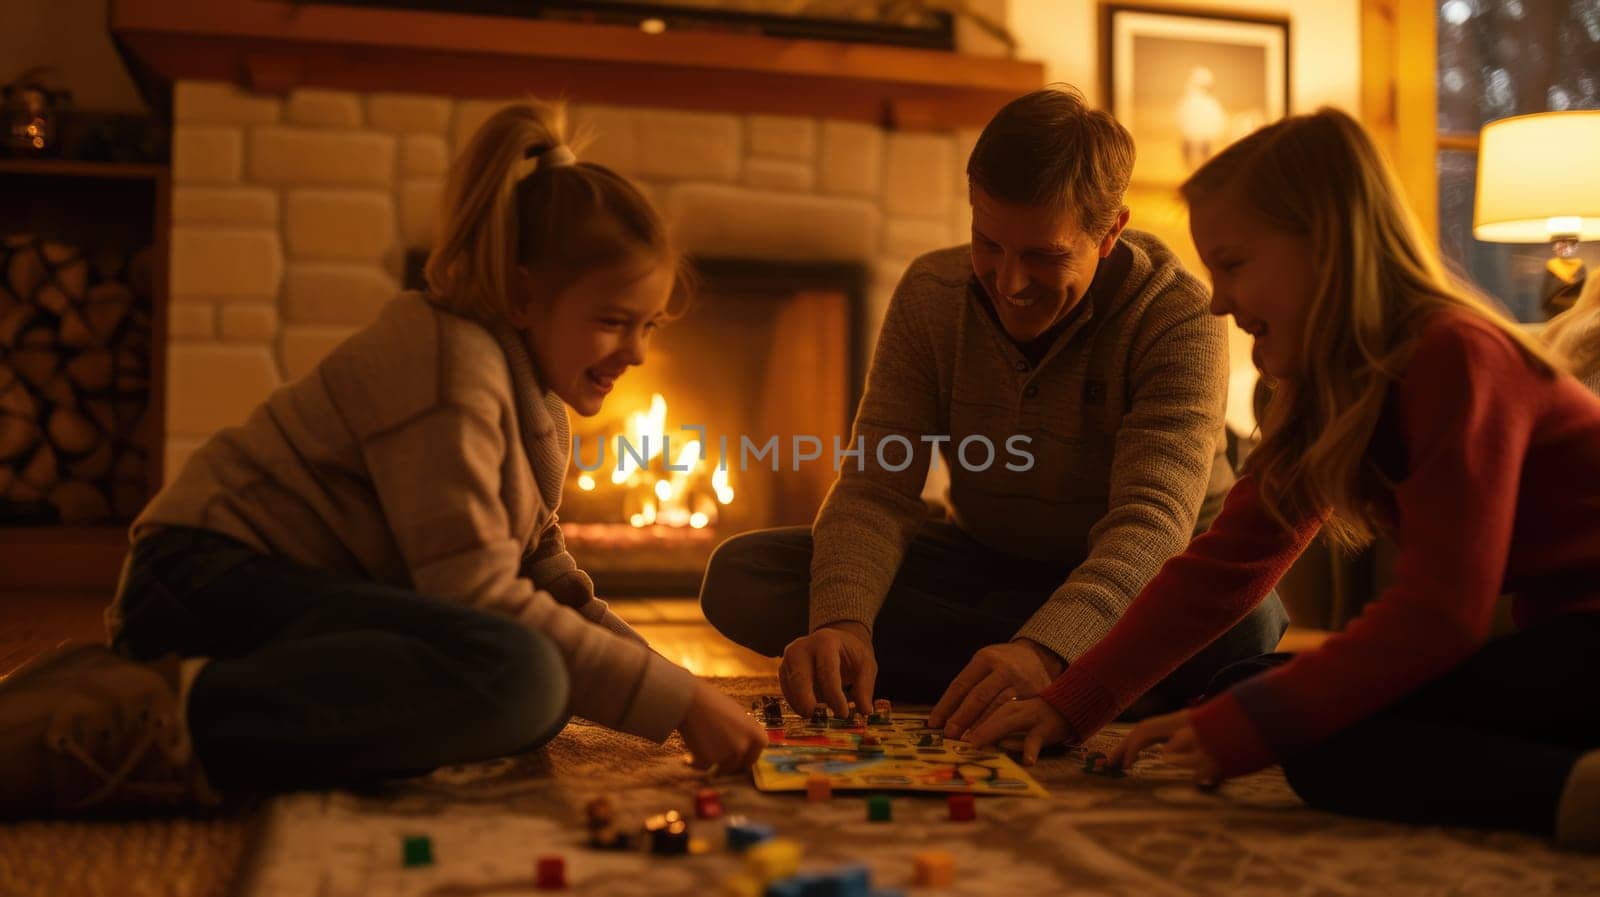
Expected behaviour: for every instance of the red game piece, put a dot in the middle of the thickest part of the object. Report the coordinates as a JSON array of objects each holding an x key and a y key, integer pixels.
[
  {"x": 963, "y": 808},
  {"x": 707, "y": 804},
  {"x": 551, "y": 874}
]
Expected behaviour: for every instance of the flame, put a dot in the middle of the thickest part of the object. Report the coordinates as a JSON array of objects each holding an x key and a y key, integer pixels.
[{"x": 655, "y": 493}]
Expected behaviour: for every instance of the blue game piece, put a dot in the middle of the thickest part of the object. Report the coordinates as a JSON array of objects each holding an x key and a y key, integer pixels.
[
  {"x": 854, "y": 880},
  {"x": 742, "y": 833},
  {"x": 793, "y": 886}
]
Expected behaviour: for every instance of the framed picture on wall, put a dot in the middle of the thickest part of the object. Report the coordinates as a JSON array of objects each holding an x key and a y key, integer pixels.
[{"x": 1187, "y": 83}]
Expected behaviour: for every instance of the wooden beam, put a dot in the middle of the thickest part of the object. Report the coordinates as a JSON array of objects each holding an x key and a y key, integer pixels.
[
  {"x": 275, "y": 46},
  {"x": 1399, "y": 95}
]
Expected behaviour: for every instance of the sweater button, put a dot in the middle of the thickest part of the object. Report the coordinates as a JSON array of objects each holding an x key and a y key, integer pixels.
[{"x": 1031, "y": 391}]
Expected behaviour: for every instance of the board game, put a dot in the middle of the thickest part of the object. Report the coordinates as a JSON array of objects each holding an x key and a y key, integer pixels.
[{"x": 891, "y": 752}]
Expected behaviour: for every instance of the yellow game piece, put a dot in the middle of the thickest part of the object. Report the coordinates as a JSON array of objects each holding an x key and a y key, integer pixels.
[
  {"x": 741, "y": 886},
  {"x": 818, "y": 787},
  {"x": 698, "y": 846},
  {"x": 772, "y": 860},
  {"x": 933, "y": 869}
]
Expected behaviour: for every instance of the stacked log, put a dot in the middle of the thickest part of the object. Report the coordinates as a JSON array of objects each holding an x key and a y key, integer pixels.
[{"x": 74, "y": 382}]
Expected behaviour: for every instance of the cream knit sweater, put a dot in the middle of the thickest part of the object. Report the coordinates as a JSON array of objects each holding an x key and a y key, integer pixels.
[{"x": 423, "y": 453}]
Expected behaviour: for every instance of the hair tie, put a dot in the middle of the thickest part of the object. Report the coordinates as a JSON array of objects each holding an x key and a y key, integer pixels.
[{"x": 553, "y": 156}]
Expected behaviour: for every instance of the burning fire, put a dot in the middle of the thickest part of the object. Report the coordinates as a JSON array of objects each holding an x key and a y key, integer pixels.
[{"x": 653, "y": 495}]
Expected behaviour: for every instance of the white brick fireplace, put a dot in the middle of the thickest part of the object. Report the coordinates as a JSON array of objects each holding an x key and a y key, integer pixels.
[{"x": 292, "y": 215}]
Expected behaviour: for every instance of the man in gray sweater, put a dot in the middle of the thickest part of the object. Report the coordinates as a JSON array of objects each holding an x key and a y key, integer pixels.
[{"x": 1073, "y": 380}]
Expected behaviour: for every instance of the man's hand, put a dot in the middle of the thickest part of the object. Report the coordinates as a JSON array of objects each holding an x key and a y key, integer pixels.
[
  {"x": 1040, "y": 724},
  {"x": 818, "y": 667},
  {"x": 1182, "y": 747},
  {"x": 995, "y": 675}
]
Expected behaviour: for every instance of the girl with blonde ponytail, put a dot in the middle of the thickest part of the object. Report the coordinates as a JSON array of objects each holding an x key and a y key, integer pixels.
[
  {"x": 367, "y": 579},
  {"x": 1402, "y": 403}
]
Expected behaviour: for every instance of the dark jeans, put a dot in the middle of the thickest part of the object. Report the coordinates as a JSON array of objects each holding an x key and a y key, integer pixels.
[
  {"x": 951, "y": 596},
  {"x": 1489, "y": 744},
  {"x": 318, "y": 680}
]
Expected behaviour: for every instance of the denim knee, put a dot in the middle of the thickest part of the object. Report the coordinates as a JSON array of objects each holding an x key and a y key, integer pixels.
[
  {"x": 1260, "y": 632},
  {"x": 524, "y": 677}
]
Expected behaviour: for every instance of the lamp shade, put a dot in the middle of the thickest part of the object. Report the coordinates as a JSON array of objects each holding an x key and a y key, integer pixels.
[{"x": 1537, "y": 178}]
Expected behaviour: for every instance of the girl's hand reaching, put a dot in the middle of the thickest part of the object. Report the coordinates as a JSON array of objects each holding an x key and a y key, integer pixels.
[
  {"x": 1182, "y": 747},
  {"x": 720, "y": 735}
]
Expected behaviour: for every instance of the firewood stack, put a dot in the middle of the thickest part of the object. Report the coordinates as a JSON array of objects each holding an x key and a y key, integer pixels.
[{"x": 74, "y": 382}]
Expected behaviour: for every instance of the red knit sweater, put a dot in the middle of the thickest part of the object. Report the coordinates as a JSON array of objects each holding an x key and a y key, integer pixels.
[{"x": 1499, "y": 492}]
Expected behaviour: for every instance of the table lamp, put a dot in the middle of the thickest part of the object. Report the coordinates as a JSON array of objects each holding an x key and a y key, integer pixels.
[{"x": 1535, "y": 185}]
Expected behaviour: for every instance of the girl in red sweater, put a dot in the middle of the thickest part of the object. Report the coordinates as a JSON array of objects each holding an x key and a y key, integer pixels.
[{"x": 1403, "y": 403}]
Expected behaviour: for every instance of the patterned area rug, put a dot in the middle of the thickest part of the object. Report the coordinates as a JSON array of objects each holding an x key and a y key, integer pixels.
[{"x": 1150, "y": 833}]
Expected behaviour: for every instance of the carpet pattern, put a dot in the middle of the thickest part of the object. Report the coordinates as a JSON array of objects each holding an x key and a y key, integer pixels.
[{"x": 1150, "y": 833}]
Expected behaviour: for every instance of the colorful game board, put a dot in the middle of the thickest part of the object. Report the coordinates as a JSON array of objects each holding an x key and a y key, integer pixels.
[{"x": 902, "y": 760}]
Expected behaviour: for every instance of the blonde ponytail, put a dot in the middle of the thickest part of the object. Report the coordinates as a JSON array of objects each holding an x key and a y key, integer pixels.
[{"x": 518, "y": 196}]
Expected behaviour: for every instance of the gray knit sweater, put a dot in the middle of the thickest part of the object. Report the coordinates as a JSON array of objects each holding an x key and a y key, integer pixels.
[
  {"x": 423, "y": 453},
  {"x": 1125, "y": 417}
]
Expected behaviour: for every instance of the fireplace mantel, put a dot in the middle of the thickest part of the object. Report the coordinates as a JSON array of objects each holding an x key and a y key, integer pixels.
[{"x": 273, "y": 46}]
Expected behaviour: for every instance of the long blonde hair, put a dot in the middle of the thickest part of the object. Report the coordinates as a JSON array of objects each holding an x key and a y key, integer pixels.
[
  {"x": 1378, "y": 279},
  {"x": 513, "y": 198},
  {"x": 1575, "y": 333}
]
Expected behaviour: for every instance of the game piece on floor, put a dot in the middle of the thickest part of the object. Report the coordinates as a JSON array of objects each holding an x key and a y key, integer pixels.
[
  {"x": 878, "y": 809},
  {"x": 743, "y": 834},
  {"x": 853, "y": 880},
  {"x": 668, "y": 834},
  {"x": 818, "y": 788},
  {"x": 933, "y": 869},
  {"x": 699, "y": 847},
  {"x": 931, "y": 739},
  {"x": 1095, "y": 764},
  {"x": 819, "y": 716},
  {"x": 883, "y": 707},
  {"x": 707, "y": 804},
  {"x": 416, "y": 850},
  {"x": 772, "y": 709},
  {"x": 550, "y": 873},
  {"x": 963, "y": 807},
  {"x": 741, "y": 886},
  {"x": 772, "y": 860}
]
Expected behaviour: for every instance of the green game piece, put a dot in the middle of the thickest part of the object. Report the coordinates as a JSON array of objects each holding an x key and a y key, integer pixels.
[
  {"x": 416, "y": 850},
  {"x": 878, "y": 719},
  {"x": 878, "y": 808}
]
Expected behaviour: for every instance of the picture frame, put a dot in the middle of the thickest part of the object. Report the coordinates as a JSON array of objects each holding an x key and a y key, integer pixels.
[{"x": 1187, "y": 82}]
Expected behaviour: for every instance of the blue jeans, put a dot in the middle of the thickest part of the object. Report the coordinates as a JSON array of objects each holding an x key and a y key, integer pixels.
[
  {"x": 318, "y": 679},
  {"x": 951, "y": 596}
]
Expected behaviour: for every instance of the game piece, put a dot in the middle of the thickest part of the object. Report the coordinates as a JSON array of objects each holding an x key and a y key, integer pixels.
[
  {"x": 741, "y": 886},
  {"x": 699, "y": 846},
  {"x": 933, "y": 869},
  {"x": 963, "y": 807},
  {"x": 819, "y": 716},
  {"x": 743, "y": 834},
  {"x": 878, "y": 809},
  {"x": 878, "y": 719},
  {"x": 931, "y": 739},
  {"x": 550, "y": 874},
  {"x": 416, "y": 850},
  {"x": 668, "y": 833},
  {"x": 854, "y": 880},
  {"x": 1095, "y": 764},
  {"x": 774, "y": 859},
  {"x": 882, "y": 707},
  {"x": 772, "y": 709},
  {"x": 818, "y": 788},
  {"x": 707, "y": 804}
]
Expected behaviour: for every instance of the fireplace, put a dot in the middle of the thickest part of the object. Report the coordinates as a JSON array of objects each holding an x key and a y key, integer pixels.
[{"x": 766, "y": 369}]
